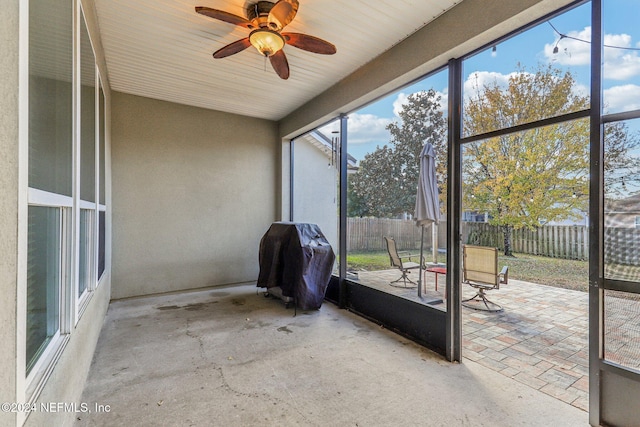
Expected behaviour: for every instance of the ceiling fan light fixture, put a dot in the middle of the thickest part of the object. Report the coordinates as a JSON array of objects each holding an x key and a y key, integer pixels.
[
  {"x": 266, "y": 20},
  {"x": 266, "y": 41}
]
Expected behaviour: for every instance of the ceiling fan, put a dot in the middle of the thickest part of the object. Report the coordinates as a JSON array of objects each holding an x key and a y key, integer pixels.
[{"x": 266, "y": 21}]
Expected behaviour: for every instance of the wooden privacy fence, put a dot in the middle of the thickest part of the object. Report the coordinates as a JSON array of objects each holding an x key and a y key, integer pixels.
[
  {"x": 556, "y": 241},
  {"x": 621, "y": 245},
  {"x": 366, "y": 234}
]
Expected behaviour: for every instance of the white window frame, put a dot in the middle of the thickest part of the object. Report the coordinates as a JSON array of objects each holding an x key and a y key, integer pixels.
[
  {"x": 28, "y": 387},
  {"x": 71, "y": 305},
  {"x": 41, "y": 370},
  {"x": 82, "y": 300},
  {"x": 100, "y": 156}
]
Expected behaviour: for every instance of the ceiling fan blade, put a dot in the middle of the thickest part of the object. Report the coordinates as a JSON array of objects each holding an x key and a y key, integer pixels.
[
  {"x": 282, "y": 13},
  {"x": 224, "y": 16},
  {"x": 280, "y": 64},
  {"x": 230, "y": 49},
  {"x": 309, "y": 43}
]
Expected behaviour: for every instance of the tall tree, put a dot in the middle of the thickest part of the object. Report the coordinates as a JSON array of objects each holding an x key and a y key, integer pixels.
[
  {"x": 523, "y": 179},
  {"x": 356, "y": 206},
  {"x": 621, "y": 166},
  {"x": 387, "y": 178}
]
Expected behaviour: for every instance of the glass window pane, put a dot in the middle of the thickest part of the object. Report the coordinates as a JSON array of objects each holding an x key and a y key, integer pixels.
[
  {"x": 50, "y": 95},
  {"x": 621, "y": 72},
  {"x": 101, "y": 242},
  {"x": 527, "y": 192},
  {"x": 88, "y": 117},
  {"x": 86, "y": 249},
  {"x": 43, "y": 280},
  {"x": 101, "y": 146},
  {"x": 622, "y": 200},
  {"x": 387, "y": 139},
  {"x": 540, "y": 73}
]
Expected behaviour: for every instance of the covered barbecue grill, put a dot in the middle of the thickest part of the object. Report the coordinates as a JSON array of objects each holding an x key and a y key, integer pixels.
[{"x": 297, "y": 259}]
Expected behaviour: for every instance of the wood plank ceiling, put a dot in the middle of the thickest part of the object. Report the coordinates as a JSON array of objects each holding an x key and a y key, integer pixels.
[{"x": 162, "y": 49}]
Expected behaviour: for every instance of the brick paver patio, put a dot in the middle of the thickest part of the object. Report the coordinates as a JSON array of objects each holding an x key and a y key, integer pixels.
[{"x": 539, "y": 339}]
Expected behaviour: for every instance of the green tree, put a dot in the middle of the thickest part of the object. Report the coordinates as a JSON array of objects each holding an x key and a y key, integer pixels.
[
  {"x": 523, "y": 179},
  {"x": 356, "y": 206},
  {"x": 621, "y": 166},
  {"x": 387, "y": 179}
]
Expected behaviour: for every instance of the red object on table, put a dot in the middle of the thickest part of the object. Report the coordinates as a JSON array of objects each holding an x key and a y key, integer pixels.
[{"x": 436, "y": 271}]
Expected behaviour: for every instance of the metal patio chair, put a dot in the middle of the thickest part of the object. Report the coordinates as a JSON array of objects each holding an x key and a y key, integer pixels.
[
  {"x": 402, "y": 260},
  {"x": 480, "y": 271}
]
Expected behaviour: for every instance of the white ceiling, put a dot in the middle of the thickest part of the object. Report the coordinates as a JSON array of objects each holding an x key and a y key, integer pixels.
[{"x": 162, "y": 49}]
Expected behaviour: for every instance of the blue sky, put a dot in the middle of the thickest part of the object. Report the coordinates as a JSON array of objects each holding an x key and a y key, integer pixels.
[{"x": 534, "y": 46}]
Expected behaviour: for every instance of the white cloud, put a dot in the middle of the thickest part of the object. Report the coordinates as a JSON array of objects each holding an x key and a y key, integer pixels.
[
  {"x": 619, "y": 64},
  {"x": 581, "y": 90},
  {"x": 365, "y": 128},
  {"x": 624, "y": 67},
  {"x": 479, "y": 79},
  {"x": 571, "y": 51},
  {"x": 622, "y": 98},
  {"x": 402, "y": 97}
]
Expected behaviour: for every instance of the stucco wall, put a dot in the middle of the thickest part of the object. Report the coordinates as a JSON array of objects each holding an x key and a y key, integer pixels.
[
  {"x": 9, "y": 204},
  {"x": 66, "y": 382},
  {"x": 315, "y": 190},
  {"x": 193, "y": 193}
]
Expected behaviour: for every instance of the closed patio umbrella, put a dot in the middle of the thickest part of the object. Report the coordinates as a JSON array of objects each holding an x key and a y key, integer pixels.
[{"x": 427, "y": 203}]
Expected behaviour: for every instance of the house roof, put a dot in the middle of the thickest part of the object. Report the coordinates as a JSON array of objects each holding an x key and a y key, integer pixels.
[
  {"x": 330, "y": 149},
  {"x": 628, "y": 205}
]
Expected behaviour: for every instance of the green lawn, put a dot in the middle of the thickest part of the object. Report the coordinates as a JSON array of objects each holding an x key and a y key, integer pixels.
[
  {"x": 368, "y": 261},
  {"x": 562, "y": 273}
]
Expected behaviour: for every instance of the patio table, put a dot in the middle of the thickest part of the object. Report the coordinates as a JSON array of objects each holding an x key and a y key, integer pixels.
[{"x": 436, "y": 271}]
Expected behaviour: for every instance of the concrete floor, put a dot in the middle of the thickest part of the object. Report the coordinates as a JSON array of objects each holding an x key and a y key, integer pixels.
[{"x": 230, "y": 357}]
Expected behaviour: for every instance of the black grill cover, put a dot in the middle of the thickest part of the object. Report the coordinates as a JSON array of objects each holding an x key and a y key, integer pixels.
[{"x": 299, "y": 259}]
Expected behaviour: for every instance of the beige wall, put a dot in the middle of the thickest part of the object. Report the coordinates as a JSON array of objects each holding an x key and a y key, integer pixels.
[
  {"x": 193, "y": 193},
  {"x": 9, "y": 203}
]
